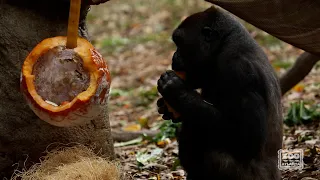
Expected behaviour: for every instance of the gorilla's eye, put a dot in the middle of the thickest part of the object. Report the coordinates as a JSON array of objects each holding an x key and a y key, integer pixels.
[{"x": 207, "y": 33}]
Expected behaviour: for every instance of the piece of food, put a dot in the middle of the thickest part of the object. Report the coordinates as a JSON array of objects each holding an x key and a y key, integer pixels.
[
  {"x": 182, "y": 75},
  {"x": 65, "y": 87}
]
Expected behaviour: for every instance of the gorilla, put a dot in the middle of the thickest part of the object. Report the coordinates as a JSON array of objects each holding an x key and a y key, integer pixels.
[{"x": 232, "y": 129}]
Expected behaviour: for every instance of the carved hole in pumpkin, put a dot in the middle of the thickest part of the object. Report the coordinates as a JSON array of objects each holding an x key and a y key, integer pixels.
[{"x": 60, "y": 76}]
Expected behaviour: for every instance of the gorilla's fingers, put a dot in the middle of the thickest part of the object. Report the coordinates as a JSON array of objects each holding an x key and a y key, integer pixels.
[
  {"x": 171, "y": 74},
  {"x": 160, "y": 84}
]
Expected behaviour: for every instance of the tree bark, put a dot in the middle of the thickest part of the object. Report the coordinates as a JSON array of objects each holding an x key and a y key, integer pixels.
[
  {"x": 298, "y": 71},
  {"x": 23, "y": 136}
]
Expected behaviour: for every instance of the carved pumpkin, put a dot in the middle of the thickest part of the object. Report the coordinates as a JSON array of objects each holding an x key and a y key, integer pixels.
[{"x": 65, "y": 87}]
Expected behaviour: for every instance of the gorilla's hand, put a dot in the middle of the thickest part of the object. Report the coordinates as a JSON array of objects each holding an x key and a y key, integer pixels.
[
  {"x": 170, "y": 86},
  {"x": 163, "y": 109},
  {"x": 173, "y": 89}
]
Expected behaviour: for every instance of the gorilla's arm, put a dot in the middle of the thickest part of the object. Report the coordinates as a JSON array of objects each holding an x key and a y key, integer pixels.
[{"x": 183, "y": 99}]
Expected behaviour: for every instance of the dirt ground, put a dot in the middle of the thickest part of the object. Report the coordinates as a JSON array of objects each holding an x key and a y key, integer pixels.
[{"x": 135, "y": 38}]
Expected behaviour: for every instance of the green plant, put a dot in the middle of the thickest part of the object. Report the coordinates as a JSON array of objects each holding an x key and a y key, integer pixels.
[
  {"x": 167, "y": 130},
  {"x": 145, "y": 97},
  {"x": 299, "y": 114}
]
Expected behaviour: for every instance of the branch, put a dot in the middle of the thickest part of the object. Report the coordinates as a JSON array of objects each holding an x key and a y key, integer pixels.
[
  {"x": 298, "y": 71},
  {"x": 123, "y": 136}
]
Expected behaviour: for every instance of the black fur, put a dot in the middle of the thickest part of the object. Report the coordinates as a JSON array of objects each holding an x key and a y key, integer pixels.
[{"x": 233, "y": 129}]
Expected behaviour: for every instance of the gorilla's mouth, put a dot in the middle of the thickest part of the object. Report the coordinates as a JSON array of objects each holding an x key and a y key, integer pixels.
[
  {"x": 181, "y": 64},
  {"x": 178, "y": 63}
]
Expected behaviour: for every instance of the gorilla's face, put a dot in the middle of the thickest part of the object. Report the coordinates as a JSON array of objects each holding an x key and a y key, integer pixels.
[{"x": 197, "y": 43}]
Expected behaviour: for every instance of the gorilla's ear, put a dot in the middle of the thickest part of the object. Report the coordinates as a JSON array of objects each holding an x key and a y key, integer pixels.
[
  {"x": 210, "y": 34},
  {"x": 207, "y": 32}
]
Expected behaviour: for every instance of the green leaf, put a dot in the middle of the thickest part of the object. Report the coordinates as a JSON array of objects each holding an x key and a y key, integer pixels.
[
  {"x": 304, "y": 112},
  {"x": 118, "y": 92},
  {"x": 143, "y": 158},
  {"x": 167, "y": 130}
]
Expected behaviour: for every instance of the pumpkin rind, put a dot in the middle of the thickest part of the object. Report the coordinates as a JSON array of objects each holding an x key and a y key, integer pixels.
[{"x": 86, "y": 105}]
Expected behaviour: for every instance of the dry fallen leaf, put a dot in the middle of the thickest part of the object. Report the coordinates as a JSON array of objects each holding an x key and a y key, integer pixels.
[
  {"x": 163, "y": 143},
  {"x": 298, "y": 87},
  {"x": 132, "y": 127},
  {"x": 143, "y": 121}
]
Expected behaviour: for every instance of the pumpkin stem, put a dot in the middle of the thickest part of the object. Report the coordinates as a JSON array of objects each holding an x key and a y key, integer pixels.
[{"x": 73, "y": 24}]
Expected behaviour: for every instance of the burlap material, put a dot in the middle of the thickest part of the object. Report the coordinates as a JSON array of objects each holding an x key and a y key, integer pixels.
[{"x": 296, "y": 22}]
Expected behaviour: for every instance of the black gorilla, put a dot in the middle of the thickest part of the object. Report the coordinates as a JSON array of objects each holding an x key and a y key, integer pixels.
[{"x": 232, "y": 130}]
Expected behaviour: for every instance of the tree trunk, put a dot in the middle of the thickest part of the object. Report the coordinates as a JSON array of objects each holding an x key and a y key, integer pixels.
[
  {"x": 23, "y": 136},
  {"x": 295, "y": 22}
]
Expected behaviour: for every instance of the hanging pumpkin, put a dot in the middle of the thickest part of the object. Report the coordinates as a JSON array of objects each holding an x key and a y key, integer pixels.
[
  {"x": 65, "y": 87},
  {"x": 65, "y": 80}
]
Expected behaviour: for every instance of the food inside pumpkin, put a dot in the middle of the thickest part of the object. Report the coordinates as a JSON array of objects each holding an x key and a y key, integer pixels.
[{"x": 60, "y": 75}]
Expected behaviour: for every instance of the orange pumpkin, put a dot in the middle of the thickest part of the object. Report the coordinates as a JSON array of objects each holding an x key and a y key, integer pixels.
[{"x": 65, "y": 87}]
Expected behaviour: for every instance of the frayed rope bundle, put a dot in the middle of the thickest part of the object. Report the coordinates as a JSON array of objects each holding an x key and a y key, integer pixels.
[{"x": 74, "y": 163}]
